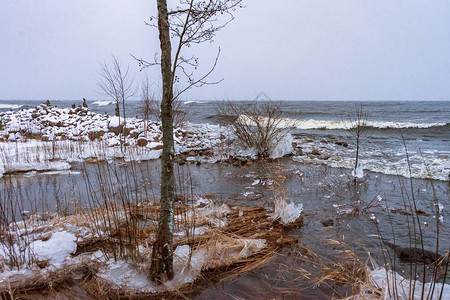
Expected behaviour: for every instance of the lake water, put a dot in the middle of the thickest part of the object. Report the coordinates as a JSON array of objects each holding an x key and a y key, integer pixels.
[{"x": 325, "y": 187}]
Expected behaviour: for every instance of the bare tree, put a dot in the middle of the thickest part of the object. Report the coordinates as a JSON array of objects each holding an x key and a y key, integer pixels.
[
  {"x": 190, "y": 22},
  {"x": 259, "y": 124},
  {"x": 117, "y": 84}
]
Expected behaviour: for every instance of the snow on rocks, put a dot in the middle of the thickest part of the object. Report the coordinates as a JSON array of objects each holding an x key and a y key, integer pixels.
[{"x": 48, "y": 138}]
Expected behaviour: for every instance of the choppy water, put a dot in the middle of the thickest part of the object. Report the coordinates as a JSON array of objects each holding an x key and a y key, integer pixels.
[{"x": 423, "y": 126}]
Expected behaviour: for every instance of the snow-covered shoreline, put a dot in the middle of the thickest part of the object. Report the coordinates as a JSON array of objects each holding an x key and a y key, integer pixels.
[{"x": 48, "y": 138}]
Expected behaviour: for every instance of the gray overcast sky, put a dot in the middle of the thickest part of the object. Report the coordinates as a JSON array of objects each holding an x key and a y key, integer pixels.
[{"x": 290, "y": 49}]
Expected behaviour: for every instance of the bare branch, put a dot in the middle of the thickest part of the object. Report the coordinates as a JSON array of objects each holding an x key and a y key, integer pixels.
[{"x": 193, "y": 22}]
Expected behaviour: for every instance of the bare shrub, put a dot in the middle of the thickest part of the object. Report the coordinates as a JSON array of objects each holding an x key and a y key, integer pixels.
[
  {"x": 358, "y": 131},
  {"x": 116, "y": 198},
  {"x": 147, "y": 100},
  {"x": 180, "y": 111},
  {"x": 258, "y": 124},
  {"x": 14, "y": 240},
  {"x": 117, "y": 83},
  {"x": 123, "y": 211}
]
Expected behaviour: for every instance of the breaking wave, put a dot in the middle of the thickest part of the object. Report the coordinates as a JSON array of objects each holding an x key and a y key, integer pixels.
[
  {"x": 326, "y": 124},
  {"x": 424, "y": 165},
  {"x": 194, "y": 102},
  {"x": 102, "y": 103},
  {"x": 10, "y": 106}
]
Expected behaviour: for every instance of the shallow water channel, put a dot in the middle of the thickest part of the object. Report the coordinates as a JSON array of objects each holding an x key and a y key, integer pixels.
[{"x": 355, "y": 214}]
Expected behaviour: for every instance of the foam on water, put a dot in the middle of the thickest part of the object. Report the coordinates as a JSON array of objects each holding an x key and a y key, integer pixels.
[
  {"x": 194, "y": 101},
  {"x": 10, "y": 106},
  {"x": 328, "y": 124},
  {"x": 429, "y": 165},
  {"x": 102, "y": 103}
]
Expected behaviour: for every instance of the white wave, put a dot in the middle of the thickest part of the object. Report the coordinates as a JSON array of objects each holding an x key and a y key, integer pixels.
[
  {"x": 10, "y": 106},
  {"x": 102, "y": 103},
  {"x": 327, "y": 124},
  {"x": 436, "y": 166},
  {"x": 194, "y": 101}
]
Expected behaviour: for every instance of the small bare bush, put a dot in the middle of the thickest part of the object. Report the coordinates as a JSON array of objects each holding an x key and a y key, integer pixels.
[
  {"x": 358, "y": 131},
  {"x": 151, "y": 107},
  {"x": 258, "y": 124}
]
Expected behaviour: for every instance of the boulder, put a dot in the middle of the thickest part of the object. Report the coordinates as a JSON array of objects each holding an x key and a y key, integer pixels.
[
  {"x": 95, "y": 134},
  {"x": 415, "y": 255},
  {"x": 142, "y": 142}
]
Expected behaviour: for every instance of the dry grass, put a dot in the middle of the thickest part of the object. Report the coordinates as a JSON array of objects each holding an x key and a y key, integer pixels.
[{"x": 244, "y": 224}]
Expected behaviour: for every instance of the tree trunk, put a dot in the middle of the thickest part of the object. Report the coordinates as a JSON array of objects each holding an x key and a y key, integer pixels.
[{"x": 162, "y": 256}]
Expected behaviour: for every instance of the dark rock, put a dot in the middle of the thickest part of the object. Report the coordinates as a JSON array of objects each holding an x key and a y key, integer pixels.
[
  {"x": 299, "y": 152},
  {"x": 327, "y": 223},
  {"x": 414, "y": 255},
  {"x": 134, "y": 134},
  {"x": 344, "y": 144},
  {"x": 126, "y": 131},
  {"x": 116, "y": 130},
  {"x": 236, "y": 163},
  {"x": 142, "y": 142},
  {"x": 315, "y": 152},
  {"x": 95, "y": 134}
]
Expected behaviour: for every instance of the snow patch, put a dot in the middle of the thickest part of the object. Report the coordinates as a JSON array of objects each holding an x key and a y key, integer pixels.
[
  {"x": 386, "y": 280},
  {"x": 56, "y": 249}
]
